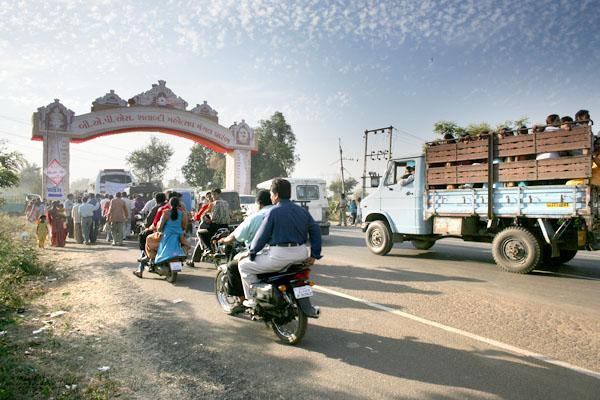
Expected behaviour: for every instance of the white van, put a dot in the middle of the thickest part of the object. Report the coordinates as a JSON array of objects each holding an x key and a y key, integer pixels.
[{"x": 309, "y": 193}]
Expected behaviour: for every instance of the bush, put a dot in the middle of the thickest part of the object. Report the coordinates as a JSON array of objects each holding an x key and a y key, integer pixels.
[{"x": 19, "y": 261}]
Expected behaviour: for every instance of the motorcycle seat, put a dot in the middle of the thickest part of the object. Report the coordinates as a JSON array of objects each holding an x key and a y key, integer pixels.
[{"x": 294, "y": 267}]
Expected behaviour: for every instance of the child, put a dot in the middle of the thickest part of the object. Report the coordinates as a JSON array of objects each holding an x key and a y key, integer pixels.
[{"x": 42, "y": 231}]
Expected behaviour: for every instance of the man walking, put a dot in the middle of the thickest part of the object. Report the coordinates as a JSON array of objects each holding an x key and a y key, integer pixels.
[
  {"x": 78, "y": 233},
  {"x": 342, "y": 205},
  {"x": 86, "y": 212},
  {"x": 285, "y": 229},
  {"x": 118, "y": 214},
  {"x": 95, "y": 201},
  {"x": 68, "y": 211}
]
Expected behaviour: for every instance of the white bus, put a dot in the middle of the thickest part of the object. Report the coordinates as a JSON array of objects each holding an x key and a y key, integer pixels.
[{"x": 111, "y": 181}]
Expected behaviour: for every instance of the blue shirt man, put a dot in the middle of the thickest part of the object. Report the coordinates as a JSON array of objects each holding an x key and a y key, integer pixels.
[{"x": 285, "y": 228}]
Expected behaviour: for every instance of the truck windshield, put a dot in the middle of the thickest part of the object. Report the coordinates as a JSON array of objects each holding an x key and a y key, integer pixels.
[
  {"x": 307, "y": 192},
  {"x": 115, "y": 178}
]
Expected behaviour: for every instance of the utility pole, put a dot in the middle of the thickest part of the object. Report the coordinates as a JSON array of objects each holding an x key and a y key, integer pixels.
[
  {"x": 387, "y": 154},
  {"x": 342, "y": 166}
]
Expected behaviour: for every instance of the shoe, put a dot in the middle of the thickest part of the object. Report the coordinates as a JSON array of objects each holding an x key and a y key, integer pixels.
[
  {"x": 142, "y": 259},
  {"x": 238, "y": 309},
  {"x": 250, "y": 303},
  {"x": 138, "y": 274}
]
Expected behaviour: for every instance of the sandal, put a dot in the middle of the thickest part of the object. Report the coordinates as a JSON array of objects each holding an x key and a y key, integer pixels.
[{"x": 138, "y": 274}]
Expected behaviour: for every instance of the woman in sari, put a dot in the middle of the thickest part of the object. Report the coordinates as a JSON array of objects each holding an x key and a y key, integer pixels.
[
  {"x": 58, "y": 228},
  {"x": 171, "y": 230}
]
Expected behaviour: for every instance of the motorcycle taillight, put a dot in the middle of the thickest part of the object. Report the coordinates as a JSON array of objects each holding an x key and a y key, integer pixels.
[{"x": 305, "y": 274}]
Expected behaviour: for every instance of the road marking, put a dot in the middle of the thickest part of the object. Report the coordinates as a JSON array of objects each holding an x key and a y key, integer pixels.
[{"x": 457, "y": 331}]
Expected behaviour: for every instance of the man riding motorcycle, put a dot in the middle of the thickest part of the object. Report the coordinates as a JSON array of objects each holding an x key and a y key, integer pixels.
[
  {"x": 245, "y": 233},
  {"x": 285, "y": 229}
]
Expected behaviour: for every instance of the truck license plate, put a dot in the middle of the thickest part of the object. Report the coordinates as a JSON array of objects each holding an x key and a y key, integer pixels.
[
  {"x": 303, "y": 291},
  {"x": 176, "y": 266},
  {"x": 558, "y": 205}
]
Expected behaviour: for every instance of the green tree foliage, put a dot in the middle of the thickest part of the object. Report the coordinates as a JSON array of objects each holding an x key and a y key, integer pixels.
[
  {"x": 204, "y": 167},
  {"x": 10, "y": 163},
  {"x": 443, "y": 127},
  {"x": 276, "y": 149},
  {"x": 150, "y": 163},
  {"x": 477, "y": 129},
  {"x": 336, "y": 186},
  {"x": 30, "y": 177}
]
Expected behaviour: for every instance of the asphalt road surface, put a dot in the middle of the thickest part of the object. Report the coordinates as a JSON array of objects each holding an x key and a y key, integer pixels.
[{"x": 439, "y": 324}]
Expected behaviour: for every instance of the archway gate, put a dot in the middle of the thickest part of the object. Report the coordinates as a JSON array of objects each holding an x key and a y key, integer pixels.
[{"x": 156, "y": 110}]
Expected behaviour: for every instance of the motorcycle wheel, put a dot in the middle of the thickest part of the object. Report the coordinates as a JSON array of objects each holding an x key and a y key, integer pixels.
[
  {"x": 291, "y": 332},
  {"x": 226, "y": 301},
  {"x": 171, "y": 276}
]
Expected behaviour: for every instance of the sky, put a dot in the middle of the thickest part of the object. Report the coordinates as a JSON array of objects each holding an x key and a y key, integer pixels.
[{"x": 334, "y": 68}]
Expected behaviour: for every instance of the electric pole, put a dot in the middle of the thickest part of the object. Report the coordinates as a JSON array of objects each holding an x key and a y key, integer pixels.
[
  {"x": 342, "y": 166},
  {"x": 387, "y": 154}
]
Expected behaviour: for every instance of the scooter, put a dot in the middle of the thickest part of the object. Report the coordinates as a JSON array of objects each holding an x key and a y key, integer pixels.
[{"x": 169, "y": 268}]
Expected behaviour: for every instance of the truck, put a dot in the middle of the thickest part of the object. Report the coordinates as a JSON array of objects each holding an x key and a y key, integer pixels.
[
  {"x": 535, "y": 212},
  {"x": 111, "y": 181}
]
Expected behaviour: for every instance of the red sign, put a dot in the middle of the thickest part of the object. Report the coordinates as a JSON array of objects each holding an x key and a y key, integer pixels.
[{"x": 55, "y": 172}]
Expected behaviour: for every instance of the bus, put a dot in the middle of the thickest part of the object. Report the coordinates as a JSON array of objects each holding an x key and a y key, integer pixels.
[{"x": 111, "y": 181}]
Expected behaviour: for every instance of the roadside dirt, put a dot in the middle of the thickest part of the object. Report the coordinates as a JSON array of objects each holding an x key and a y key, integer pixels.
[{"x": 148, "y": 343}]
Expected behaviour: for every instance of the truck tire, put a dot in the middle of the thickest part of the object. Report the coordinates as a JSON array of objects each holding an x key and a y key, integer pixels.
[
  {"x": 422, "y": 244},
  {"x": 550, "y": 263},
  {"x": 379, "y": 238},
  {"x": 516, "y": 250}
]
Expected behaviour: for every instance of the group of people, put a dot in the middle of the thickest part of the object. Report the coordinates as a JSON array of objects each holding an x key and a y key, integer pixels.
[
  {"x": 82, "y": 217},
  {"x": 352, "y": 207},
  {"x": 553, "y": 123}
]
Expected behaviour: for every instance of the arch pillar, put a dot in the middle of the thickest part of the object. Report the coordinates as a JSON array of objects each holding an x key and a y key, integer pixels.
[
  {"x": 55, "y": 177},
  {"x": 237, "y": 171}
]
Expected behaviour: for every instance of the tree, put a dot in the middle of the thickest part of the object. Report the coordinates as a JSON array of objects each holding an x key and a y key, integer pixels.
[
  {"x": 10, "y": 162},
  {"x": 336, "y": 186},
  {"x": 150, "y": 163},
  {"x": 477, "y": 129},
  {"x": 30, "y": 177},
  {"x": 204, "y": 166},
  {"x": 276, "y": 150},
  {"x": 444, "y": 127},
  {"x": 80, "y": 185}
]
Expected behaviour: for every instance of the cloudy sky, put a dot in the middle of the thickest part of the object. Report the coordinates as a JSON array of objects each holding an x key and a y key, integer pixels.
[{"x": 334, "y": 68}]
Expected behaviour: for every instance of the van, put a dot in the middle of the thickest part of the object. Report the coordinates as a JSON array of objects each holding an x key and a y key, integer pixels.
[{"x": 309, "y": 193}]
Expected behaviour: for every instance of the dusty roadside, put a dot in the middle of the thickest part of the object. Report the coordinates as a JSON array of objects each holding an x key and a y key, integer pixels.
[{"x": 149, "y": 347}]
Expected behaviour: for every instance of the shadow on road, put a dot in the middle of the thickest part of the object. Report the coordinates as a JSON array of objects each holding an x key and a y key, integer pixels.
[{"x": 494, "y": 372}]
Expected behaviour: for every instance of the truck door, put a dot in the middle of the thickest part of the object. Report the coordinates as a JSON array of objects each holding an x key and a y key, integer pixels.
[{"x": 398, "y": 197}]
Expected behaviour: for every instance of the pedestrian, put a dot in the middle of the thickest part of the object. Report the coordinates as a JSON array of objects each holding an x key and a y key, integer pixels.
[
  {"x": 77, "y": 232},
  {"x": 42, "y": 231},
  {"x": 58, "y": 221},
  {"x": 285, "y": 229},
  {"x": 358, "y": 210},
  {"x": 86, "y": 213},
  {"x": 118, "y": 214},
  {"x": 68, "y": 211},
  {"x": 352, "y": 210},
  {"x": 96, "y": 217},
  {"x": 106, "y": 227},
  {"x": 342, "y": 205}
]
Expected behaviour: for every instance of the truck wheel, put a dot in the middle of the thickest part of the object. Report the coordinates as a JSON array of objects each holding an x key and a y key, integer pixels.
[
  {"x": 550, "y": 263},
  {"x": 379, "y": 238},
  {"x": 516, "y": 250},
  {"x": 422, "y": 244}
]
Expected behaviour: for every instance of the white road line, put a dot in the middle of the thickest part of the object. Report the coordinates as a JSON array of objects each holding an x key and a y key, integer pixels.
[{"x": 470, "y": 335}]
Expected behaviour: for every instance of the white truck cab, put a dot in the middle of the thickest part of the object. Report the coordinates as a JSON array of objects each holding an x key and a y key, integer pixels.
[{"x": 309, "y": 193}]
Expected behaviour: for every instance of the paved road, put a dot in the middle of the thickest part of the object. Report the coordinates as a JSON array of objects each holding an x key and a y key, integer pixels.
[{"x": 437, "y": 324}]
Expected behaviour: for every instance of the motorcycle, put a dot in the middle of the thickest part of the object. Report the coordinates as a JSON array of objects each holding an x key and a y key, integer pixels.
[
  {"x": 282, "y": 297},
  {"x": 169, "y": 268},
  {"x": 139, "y": 224},
  {"x": 220, "y": 254}
]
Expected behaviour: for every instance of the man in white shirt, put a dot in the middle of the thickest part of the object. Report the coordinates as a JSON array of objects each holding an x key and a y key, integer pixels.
[
  {"x": 552, "y": 124},
  {"x": 78, "y": 233},
  {"x": 86, "y": 213}
]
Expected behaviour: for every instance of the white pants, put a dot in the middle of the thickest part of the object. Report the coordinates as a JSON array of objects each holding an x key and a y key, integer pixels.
[{"x": 271, "y": 260}]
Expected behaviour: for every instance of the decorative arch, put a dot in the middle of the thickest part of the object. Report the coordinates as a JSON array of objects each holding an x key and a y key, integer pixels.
[{"x": 156, "y": 110}]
